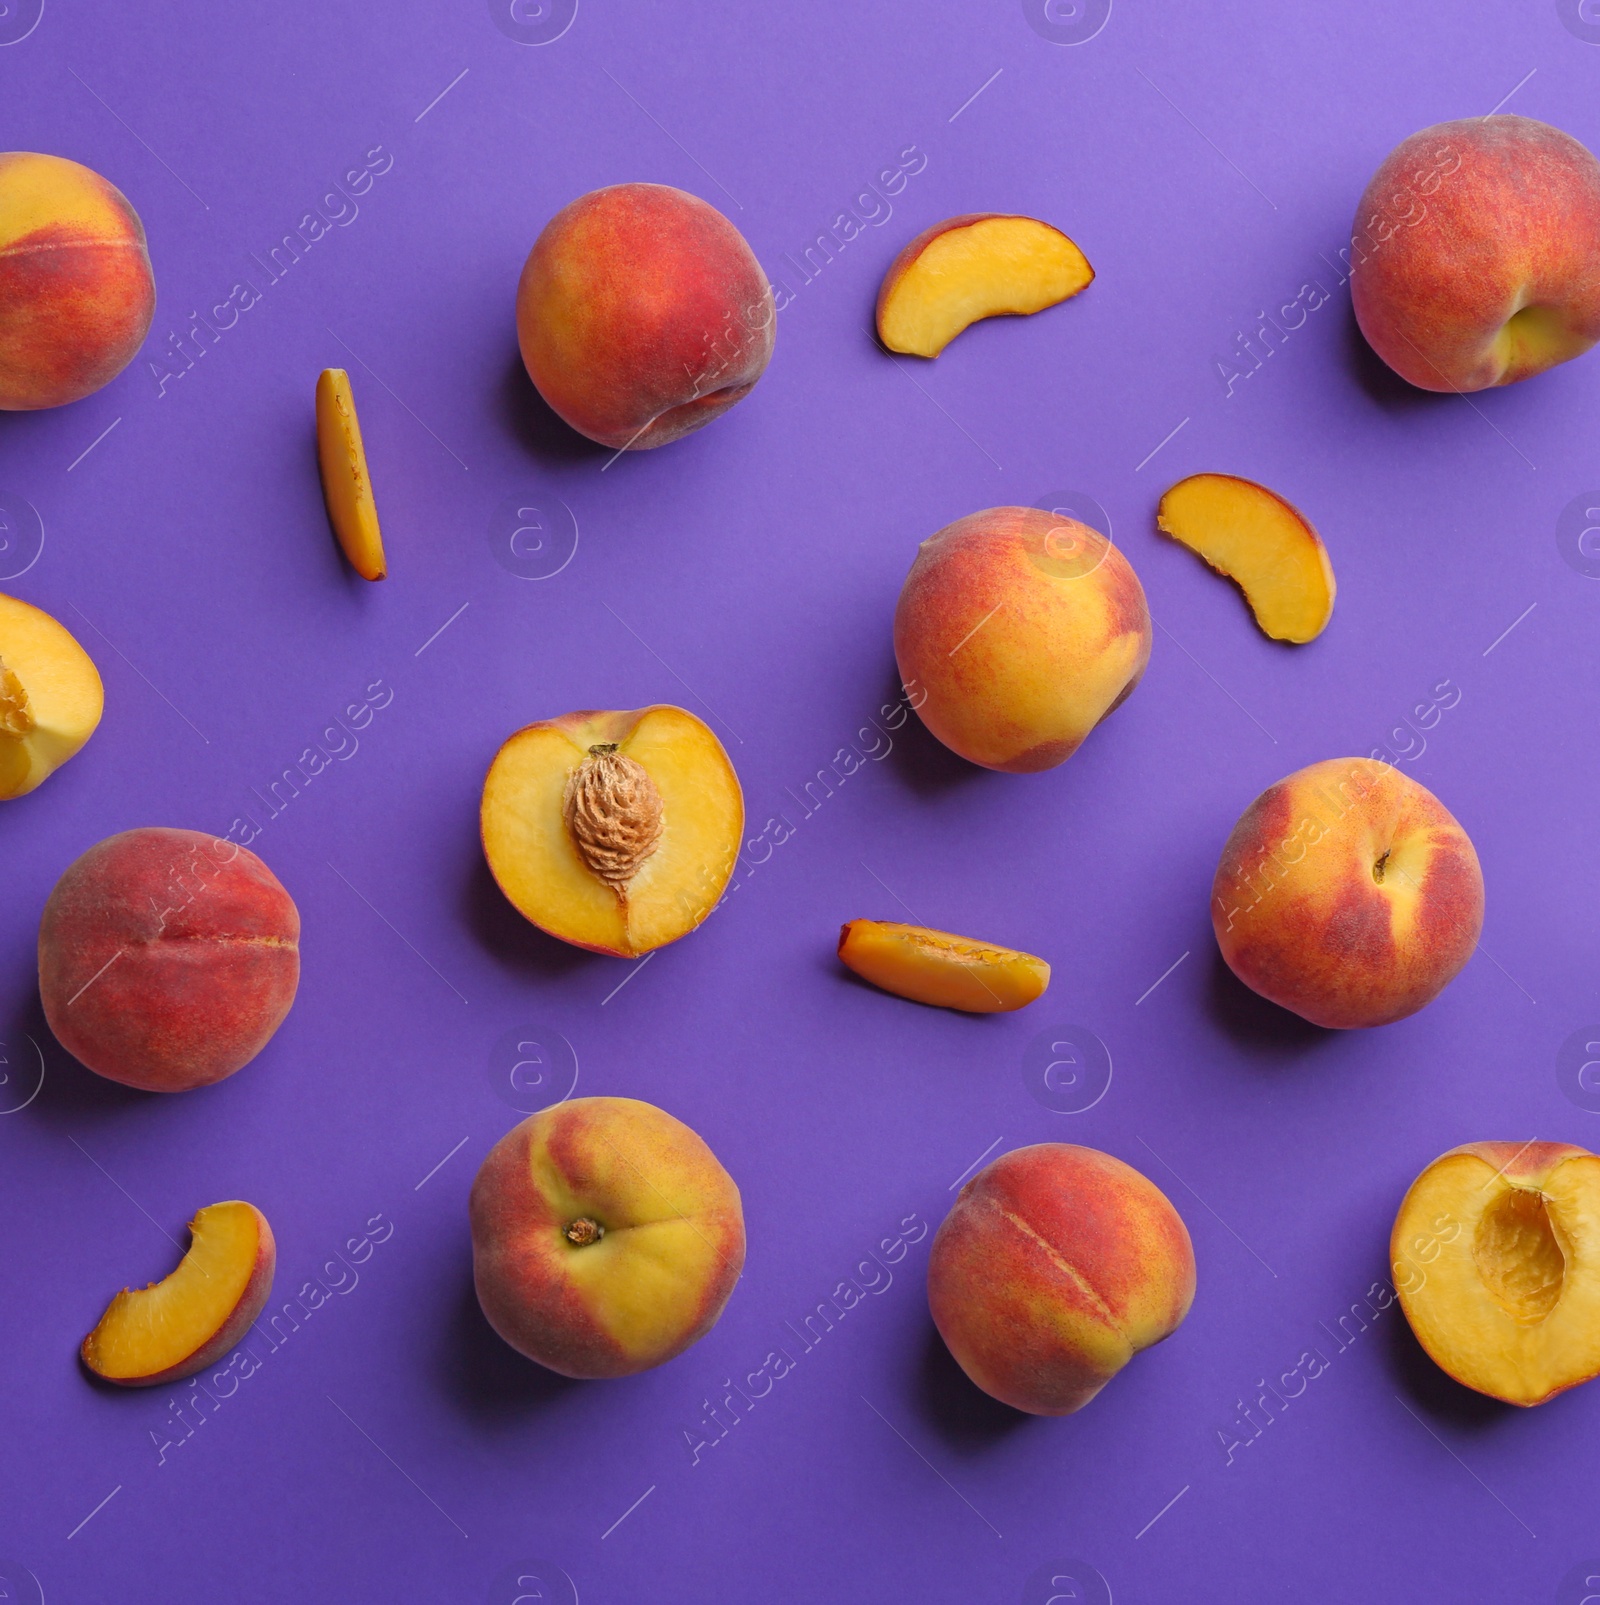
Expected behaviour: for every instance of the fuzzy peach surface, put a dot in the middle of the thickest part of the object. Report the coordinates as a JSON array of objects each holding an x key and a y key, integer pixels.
[
  {"x": 76, "y": 291},
  {"x": 167, "y": 958},
  {"x": 1016, "y": 633},
  {"x": 642, "y": 314},
  {"x": 1347, "y": 893}
]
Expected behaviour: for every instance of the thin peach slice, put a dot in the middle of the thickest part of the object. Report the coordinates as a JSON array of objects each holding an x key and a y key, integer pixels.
[
  {"x": 179, "y": 1326},
  {"x": 51, "y": 697},
  {"x": 616, "y": 832},
  {"x": 1496, "y": 1256},
  {"x": 975, "y": 266},
  {"x": 1254, "y": 537},
  {"x": 346, "y": 484},
  {"x": 950, "y": 972}
]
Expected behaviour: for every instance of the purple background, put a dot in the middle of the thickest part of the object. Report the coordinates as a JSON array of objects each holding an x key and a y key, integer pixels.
[{"x": 1208, "y": 160}]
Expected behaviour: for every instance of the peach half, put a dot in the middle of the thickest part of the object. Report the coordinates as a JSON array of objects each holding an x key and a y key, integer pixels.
[
  {"x": 76, "y": 291},
  {"x": 616, "y": 832},
  {"x": 979, "y": 265},
  {"x": 606, "y": 1237},
  {"x": 346, "y": 482},
  {"x": 1254, "y": 537},
  {"x": 181, "y": 1325},
  {"x": 1496, "y": 1255},
  {"x": 950, "y": 972},
  {"x": 51, "y": 697},
  {"x": 1016, "y": 633},
  {"x": 1055, "y": 1267}
]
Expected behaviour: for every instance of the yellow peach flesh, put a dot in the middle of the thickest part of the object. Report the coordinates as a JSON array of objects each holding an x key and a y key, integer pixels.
[
  {"x": 51, "y": 697},
  {"x": 951, "y": 972},
  {"x": 964, "y": 270},
  {"x": 1253, "y": 536},
  {"x": 346, "y": 483}
]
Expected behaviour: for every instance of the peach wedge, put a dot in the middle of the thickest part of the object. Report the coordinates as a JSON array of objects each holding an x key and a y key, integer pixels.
[
  {"x": 971, "y": 267},
  {"x": 1253, "y": 536},
  {"x": 179, "y": 1326},
  {"x": 346, "y": 484},
  {"x": 50, "y": 697},
  {"x": 616, "y": 832},
  {"x": 950, "y": 972},
  {"x": 1497, "y": 1264}
]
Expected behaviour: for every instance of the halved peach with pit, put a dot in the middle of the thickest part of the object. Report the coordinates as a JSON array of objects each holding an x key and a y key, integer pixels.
[
  {"x": 615, "y": 831},
  {"x": 975, "y": 266},
  {"x": 51, "y": 697},
  {"x": 179, "y": 1326},
  {"x": 950, "y": 972},
  {"x": 1262, "y": 543},
  {"x": 1496, "y": 1255}
]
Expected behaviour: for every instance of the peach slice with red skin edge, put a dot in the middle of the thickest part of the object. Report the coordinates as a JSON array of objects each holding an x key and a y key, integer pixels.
[
  {"x": 615, "y": 831},
  {"x": 1496, "y": 1257},
  {"x": 346, "y": 481},
  {"x": 935, "y": 967},
  {"x": 979, "y": 265},
  {"x": 181, "y": 1325},
  {"x": 51, "y": 697},
  {"x": 1262, "y": 543}
]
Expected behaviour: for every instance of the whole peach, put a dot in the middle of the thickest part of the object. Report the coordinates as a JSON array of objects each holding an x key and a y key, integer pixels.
[
  {"x": 1016, "y": 633},
  {"x": 1055, "y": 1267},
  {"x": 606, "y": 1237},
  {"x": 1347, "y": 893},
  {"x": 642, "y": 314},
  {"x": 1475, "y": 259},
  {"x": 76, "y": 290},
  {"x": 167, "y": 958}
]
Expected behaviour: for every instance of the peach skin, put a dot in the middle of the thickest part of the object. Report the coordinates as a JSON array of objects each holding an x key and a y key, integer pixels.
[
  {"x": 76, "y": 290},
  {"x": 606, "y": 1238},
  {"x": 642, "y": 314},
  {"x": 934, "y": 967},
  {"x": 1347, "y": 893},
  {"x": 1016, "y": 633},
  {"x": 167, "y": 958},
  {"x": 1055, "y": 1267}
]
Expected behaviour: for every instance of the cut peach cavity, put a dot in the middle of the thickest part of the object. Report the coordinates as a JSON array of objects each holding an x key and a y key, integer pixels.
[
  {"x": 615, "y": 831},
  {"x": 51, "y": 697},
  {"x": 1496, "y": 1255},
  {"x": 949, "y": 972},
  {"x": 975, "y": 266},
  {"x": 1255, "y": 538},
  {"x": 346, "y": 483},
  {"x": 179, "y": 1326}
]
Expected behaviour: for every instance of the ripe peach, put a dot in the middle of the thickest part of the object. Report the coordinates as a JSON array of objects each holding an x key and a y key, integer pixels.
[
  {"x": 606, "y": 1238},
  {"x": 1347, "y": 893},
  {"x": 1055, "y": 1267},
  {"x": 1019, "y": 631},
  {"x": 642, "y": 314},
  {"x": 167, "y": 958},
  {"x": 1476, "y": 254},
  {"x": 76, "y": 291}
]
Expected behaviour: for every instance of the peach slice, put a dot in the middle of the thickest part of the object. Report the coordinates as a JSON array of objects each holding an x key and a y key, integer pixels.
[
  {"x": 179, "y": 1326},
  {"x": 1496, "y": 1255},
  {"x": 951, "y": 972},
  {"x": 971, "y": 267},
  {"x": 615, "y": 831},
  {"x": 1253, "y": 536},
  {"x": 50, "y": 696},
  {"x": 346, "y": 484}
]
